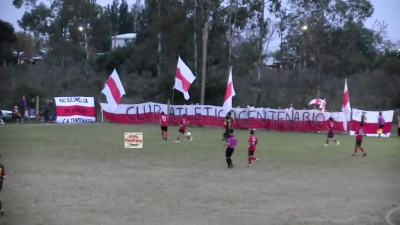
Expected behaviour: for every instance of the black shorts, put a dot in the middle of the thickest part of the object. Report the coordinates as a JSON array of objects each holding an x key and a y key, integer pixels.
[
  {"x": 164, "y": 128},
  {"x": 250, "y": 153},
  {"x": 226, "y": 130},
  {"x": 182, "y": 131},
  {"x": 229, "y": 152},
  {"x": 1, "y": 185},
  {"x": 331, "y": 135},
  {"x": 381, "y": 126},
  {"x": 358, "y": 143}
]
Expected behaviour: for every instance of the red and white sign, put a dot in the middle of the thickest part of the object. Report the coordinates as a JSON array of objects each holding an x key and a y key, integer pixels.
[
  {"x": 75, "y": 110},
  {"x": 371, "y": 126},
  {"x": 245, "y": 118},
  {"x": 183, "y": 78},
  {"x": 133, "y": 140}
]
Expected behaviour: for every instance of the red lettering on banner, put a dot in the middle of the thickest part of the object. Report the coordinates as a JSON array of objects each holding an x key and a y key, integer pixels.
[{"x": 76, "y": 111}]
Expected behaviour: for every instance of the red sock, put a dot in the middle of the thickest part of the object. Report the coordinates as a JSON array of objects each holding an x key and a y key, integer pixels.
[
  {"x": 355, "y": 150},
  {"x": 188, "y": 137},
  {"x": 162, "y": 133},
  {"x": 334, "y": 141},
  {"x": 253, "y": 158},
  {"x": 327, "y": 141},
  {"x": 362, "y": 149},
  {"x": 165, "y": 134},
  {"x": 178, "y": 138},
  {"x": 250, "y": 160}
]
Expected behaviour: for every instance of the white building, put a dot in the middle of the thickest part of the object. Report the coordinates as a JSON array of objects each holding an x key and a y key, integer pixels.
[{"x": 121, "y": 40}]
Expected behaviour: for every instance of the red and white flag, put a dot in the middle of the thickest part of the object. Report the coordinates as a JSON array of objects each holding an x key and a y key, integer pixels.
[
  {"x": 229, "y": 93},
  {"x": 183, "y": 78},
  {"x": 113, "y": 90},
  {"x": 346, "y": 106}
]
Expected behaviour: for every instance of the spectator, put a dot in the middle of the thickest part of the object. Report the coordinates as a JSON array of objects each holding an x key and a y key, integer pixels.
[
  {"x": 398, "y": 124},
  {"x": 249, "y": 108},
  {"x": 32, "y": 106},
  {"x": 22, "y": 106},
  {"x": 52, "y": 110},
  {"x": 1, "y": 117},
  {"x": 16, "y": 115},
  {"x": 41, "y": 112},
  {"x": 46, "y": 113}
]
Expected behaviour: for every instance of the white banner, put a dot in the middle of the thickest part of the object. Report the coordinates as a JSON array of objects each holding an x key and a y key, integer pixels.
[
  {"x": 75, "y": 110},
  {"x": 371, "y": 125},
  {"x": 72, "y": 101},
  {"x": 208, "y": 115}
]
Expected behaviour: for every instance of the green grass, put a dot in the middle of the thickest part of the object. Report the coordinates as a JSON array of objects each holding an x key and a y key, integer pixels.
[{"x": 82, "y": 174}]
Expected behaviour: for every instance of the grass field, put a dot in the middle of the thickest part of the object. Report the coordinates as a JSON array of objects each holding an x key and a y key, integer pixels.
[{"x": 81, "y": 174}]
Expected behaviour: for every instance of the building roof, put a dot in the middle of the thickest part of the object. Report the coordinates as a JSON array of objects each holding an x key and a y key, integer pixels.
[{"x": 125, "y": 36}]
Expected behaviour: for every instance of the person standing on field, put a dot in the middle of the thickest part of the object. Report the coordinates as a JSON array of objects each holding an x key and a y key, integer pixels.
[
  {"x": 253, "y": 141},
  {"x": 2, "y": 176},
  {"x": 398, "y": 125},
  {"x": 381, "y": 123},
  {"x": 164, "y": 126},
  {"x": 231, "y": 144}
]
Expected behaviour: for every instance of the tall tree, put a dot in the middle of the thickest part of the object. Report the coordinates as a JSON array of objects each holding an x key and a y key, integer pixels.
[
  {"x": 310, "y": 26},
  {"x": 7, "y": 39},
  {"x": 125, "y": 19},
  {"x": 37, "y": 20},
  {"x": 24, "y": 46}
]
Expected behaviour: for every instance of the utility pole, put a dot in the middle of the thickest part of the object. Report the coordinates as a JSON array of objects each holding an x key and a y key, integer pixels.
[
  {"x": 82, "y": 29},
  {"x": 203, "y": 76},
  {"x": 87, "y": 55},
  {"x": 195, "y": 38},
  {"x": 262, "y": 33}
]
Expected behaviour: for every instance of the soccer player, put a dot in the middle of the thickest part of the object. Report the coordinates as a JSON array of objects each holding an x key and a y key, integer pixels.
[
  {"x": 182, "y": 129},
  {"x": 359, "y": 137},
  {"x": 253, "y": 141},
  {"x": 331, "y": 129},
  {"x": 228, "y": 125},
  {"x": 231, "y": 142},
  {"x": 164, "y": 126},
  {"x": 381, "y": 123},
  {"x": 2, "y": 176}
]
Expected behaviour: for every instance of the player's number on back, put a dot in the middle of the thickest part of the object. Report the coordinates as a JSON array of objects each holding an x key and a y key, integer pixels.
[
  {"x": 253, "y": 142},
  {"x": 163, "y": 119}
]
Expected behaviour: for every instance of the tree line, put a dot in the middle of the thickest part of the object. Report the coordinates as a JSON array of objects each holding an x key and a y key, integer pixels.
[{"x": 321, "y": 43}]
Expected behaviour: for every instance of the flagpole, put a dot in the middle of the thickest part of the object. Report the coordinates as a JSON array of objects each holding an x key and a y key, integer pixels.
[
  {"x": 172, "y": 98},
  {"x": 171, "y": 102}
]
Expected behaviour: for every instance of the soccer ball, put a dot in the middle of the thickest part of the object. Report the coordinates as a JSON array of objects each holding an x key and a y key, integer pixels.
[{"x": 188, "y": 134}]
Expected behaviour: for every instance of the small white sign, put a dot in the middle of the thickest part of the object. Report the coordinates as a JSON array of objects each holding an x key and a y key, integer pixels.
[{"x": 133, "y": 140}]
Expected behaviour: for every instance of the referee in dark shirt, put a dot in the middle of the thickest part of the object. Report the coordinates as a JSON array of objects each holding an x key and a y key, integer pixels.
[
  {"x": 362, "y": 119},
  {"x": 2, "y": 176}
]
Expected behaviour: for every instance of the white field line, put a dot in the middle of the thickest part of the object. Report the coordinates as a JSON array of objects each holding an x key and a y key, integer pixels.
[{"x": 389, "y": 216}]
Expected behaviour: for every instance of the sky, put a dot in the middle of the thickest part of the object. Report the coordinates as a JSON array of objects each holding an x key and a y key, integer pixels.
[{"x": 385, "y": 10}]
